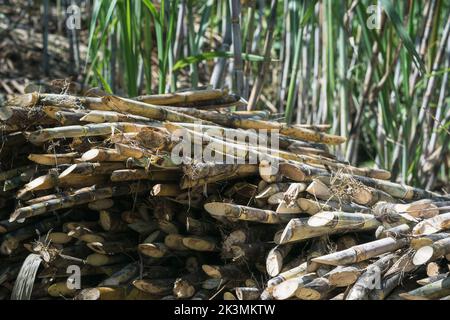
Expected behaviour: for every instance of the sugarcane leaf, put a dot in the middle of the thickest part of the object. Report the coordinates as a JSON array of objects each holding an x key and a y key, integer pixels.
[
  {"x": 107, "y": 24},
  {"x": 105, "y": 84},
  {"x": 401, "y": 32},
  {"x": 309, "y": 13},
  {"x": 152, "y": 10},
  {"x": 182, "y": 63}
]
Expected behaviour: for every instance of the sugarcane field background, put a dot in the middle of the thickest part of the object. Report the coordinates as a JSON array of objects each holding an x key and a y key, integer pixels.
[{"x": 224, "y": 150}]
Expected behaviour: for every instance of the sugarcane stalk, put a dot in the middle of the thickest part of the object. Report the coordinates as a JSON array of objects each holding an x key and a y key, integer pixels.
[
  {"x": 99, "y": 116},
  {"x": 317, "y": 289},
  {"x": 432, "y": 252},
  {"x": 302, "y": 172},
  {"x": 432, "y": 225},
  {"x": 274, "y": 260},
  {"x": 362, "y": 252},
  {"x": 434, "y": 290},
  {"x": 237, "y": 212},
  {"x": 110, "y": 248},
  {"x": 52, "y": 180},
  {"x": 272, "y": 189},
  {"x": 343, "y": 276},
  {"x": 103, "y": 155},
  {"x": 421, "y": 241},
  {"x": 199, "y": 227},
  {"x": 432, "y": 279},
  {"x": 288, "y": 274},
  {"x": 100, "y": 205},
  {"x": 87, "y": 168},
  {"x": 6, "y": 175},
  {"x": 186, "y": 286},
  {"x": 394, "y": 232},
  {"x": 112, "y": 222},
  {"x": 224, "y": 172},
  {"x": 247, "y": 293},
  {"x": 181, "y": 98},
  {"x": 154, "y": 250},
  {"x": 312, "y": 207},
  {"x": 175, "y": 242},
  {"x": 155, "y": 286},
  {"x": 53, "y": 159},
  {"x": 79, "y": 197},
  {"x": 141, "y": 174},
  {"x": 12, "y": 240},
  {"x": 229, "y": 271},
  {"x": 99, "y": 260},
  {"x": 155, "y": 112},
  {"x": 121, "y": 277},
  {"x": 202, "y": 244},
  {"x": 88, "y": 130},
  {"x": 288, "y": 289},
  {"x": 327, "y": 222}
]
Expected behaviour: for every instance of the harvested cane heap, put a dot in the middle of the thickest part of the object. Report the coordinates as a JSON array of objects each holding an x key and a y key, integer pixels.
[{"x": 89, "y": 182}]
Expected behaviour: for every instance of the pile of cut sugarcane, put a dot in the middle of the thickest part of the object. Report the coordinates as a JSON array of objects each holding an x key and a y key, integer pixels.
[{"x": 93, "y": 206}]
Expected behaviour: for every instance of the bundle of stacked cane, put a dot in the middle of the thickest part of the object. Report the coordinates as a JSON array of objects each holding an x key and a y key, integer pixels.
[{"x": 115, "y": 188}]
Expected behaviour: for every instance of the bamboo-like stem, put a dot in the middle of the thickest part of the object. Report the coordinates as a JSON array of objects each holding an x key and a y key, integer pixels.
[
  {"x": 432, "y": 225},
  {"x": 141, "y": 174},
  {"x": 274, "y": 260},
  {"x": 53, "y": 159},
  {"x": 88, "y": 130},
  {"x": 257, "y": 87},
  {"x": 312, "y": 207},
  {"x": 183, "y": 98},
  {"x": 302, "y": 172},
  {"x": 237, "y": 212},
  {"x": 367, "y": 280},
  {"x": 79, "y": 197},
  {"x": 324, "y": 223},
  {"x": 362, "y": 252},
  {"x": 430, "y": 253},
  {"x": 434, "y": 290}
]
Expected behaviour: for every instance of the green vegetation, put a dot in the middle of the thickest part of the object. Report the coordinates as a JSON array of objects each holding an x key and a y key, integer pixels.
[{"x": 378, "y": 75}]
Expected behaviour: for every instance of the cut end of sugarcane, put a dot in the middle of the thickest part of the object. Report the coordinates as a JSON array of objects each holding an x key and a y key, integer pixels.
[
  {"x": 216, "y": 208},
  {"x": 105, "y": 220},
  {"x": 152, "y": 250},
  {"x": 16, "y": 215},
  {"x": 59, "y": 238},
  {"x": 90, "y": 155},
  {"x": 292, "y": 172},
  {"x": 274, "y": 263},
  {"x": 308, "y": 294},
  {"x": 423, "y": 255},
  {"x": 143, "y": 285},
  {"x": 68, "y": 171},
  {"x": 96, "y": 247},
  {"x": 321, "y": 219},
  {"x": 408, "y": 296},
  {"x": 285, "y": 290},
  {"x": 326, "y": 259},
  {"x": 88, "y": 294},
  {"x": 97, "y": 259},
  {"x": 228, "y": 296},
  {"x": 212, "y": 271},
  {"x": 92, "y": 238},
  {"x": 199, "y": 244},
  {"x": 60, "y": 289},
  {"x": 287, "y": 233},
  {"x": 267, "y": 192},
  {"x": 182, "y": 289}
]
